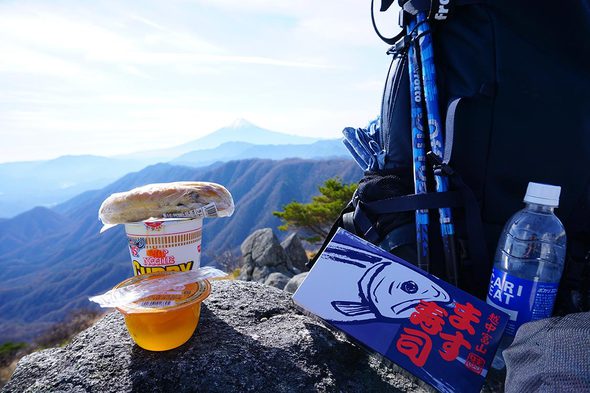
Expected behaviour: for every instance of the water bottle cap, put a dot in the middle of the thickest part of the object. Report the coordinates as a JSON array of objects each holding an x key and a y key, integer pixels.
[{"x": 542, "y": 194}]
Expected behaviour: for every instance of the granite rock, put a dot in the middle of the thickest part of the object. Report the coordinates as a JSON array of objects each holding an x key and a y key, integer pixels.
[
  {"x": 277, "y": 280},
  {"x": 262, "y": 255},
  {"x": 250, "y": 338},
  {"x": 294, "y": 282},
  {"x": 295, "y": 252}
]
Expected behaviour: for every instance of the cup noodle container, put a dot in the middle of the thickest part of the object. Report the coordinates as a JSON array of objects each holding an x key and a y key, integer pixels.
[{"x": 172, "y": 244}]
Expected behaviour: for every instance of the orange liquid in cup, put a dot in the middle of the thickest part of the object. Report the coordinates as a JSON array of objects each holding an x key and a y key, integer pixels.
[{"x": 163, "y": 322}]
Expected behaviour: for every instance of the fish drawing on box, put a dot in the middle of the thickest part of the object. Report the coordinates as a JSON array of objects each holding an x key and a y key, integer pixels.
[
  {"x": 386, "y": 290},
  {"x": 437, "y": 332}
]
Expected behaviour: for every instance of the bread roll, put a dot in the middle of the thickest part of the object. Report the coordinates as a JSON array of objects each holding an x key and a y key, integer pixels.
[{"x": 162, "y": 200}]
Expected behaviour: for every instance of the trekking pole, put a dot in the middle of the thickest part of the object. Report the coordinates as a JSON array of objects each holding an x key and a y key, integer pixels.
[
  {"x": 418, "y": 148},
  {"x": 436, "y": 141}
]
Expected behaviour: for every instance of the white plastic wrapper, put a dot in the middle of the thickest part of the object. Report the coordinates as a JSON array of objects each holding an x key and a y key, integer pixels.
[
  {"x": 181, "y": 199},
  {"x": 170, "y": 283}
]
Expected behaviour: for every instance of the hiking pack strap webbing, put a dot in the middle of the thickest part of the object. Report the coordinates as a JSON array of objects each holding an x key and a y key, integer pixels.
[
  {"x": 364, "y": 226},
  {"x": 355, "y": 216},
  {"x": 414, "y": 202},
  {"x": 339, "y": 223},
  {"x": 348, "y": 222},
  {"x": 450, "y": 130}
]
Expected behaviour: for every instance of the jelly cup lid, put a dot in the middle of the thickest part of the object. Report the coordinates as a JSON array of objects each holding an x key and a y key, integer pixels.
[
  {"x": 165, "y": 300},
  {"x": 178, "y": 287}
]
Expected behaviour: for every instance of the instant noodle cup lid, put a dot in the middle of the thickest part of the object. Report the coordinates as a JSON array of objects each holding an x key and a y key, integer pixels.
[{"x": 167, "y": 317}]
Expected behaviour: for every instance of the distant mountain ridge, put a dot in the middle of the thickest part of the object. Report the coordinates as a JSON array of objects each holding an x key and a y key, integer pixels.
[
  {"x": 50, "y": 269},
  {"x": 326, "y": 149},
  {"x": 24, "y": 185},
  {"x": 47, "y": 183},
  {"x": 36, "y": 223},
  {"x": 239, "y": 131}
]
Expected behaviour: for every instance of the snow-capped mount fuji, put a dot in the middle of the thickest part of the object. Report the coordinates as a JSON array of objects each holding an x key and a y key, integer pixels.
[{"x": 240, "y": 130}]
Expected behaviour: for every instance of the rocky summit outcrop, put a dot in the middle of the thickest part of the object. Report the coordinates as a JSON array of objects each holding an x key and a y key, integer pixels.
[
  {"x": 277, "y": 280},
  {"x": 294, "y": 282},
  {"x": 295, "y": 252},
  {"x": 263, "y": 255},
  {"x": 250, "y": 338}
]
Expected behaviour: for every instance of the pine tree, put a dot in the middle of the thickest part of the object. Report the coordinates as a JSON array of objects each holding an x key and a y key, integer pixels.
[{"x": 318, "y": 216}]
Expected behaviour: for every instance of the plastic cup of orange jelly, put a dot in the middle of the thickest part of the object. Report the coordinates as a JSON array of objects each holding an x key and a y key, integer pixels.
[{"x": 164, "y": 321}]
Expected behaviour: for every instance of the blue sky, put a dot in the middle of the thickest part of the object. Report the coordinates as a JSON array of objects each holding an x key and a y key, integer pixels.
[{"x": 111, "y": 77}]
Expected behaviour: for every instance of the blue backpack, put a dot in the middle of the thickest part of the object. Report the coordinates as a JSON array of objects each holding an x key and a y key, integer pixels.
[{"x": 513, "y": 81}]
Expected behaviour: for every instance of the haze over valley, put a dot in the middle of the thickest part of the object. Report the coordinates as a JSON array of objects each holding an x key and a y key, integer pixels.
[{"x": 52, "y": 257}]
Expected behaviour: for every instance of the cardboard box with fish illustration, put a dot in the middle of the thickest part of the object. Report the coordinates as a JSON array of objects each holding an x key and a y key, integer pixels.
[{"x": 436, "y": 331}]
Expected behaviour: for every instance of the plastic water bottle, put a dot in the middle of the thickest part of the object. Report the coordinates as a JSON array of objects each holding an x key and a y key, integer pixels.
[{"x": 528, "y": 263}]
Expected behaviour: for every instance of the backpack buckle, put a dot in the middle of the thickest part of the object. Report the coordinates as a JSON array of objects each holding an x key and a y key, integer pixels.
[
  {"x": 439, "y": 167},
  {"x": 400, "y": 47}
]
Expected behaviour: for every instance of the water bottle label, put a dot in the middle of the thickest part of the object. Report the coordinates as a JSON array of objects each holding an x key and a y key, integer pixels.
[{"x": 524, "y": 300}]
